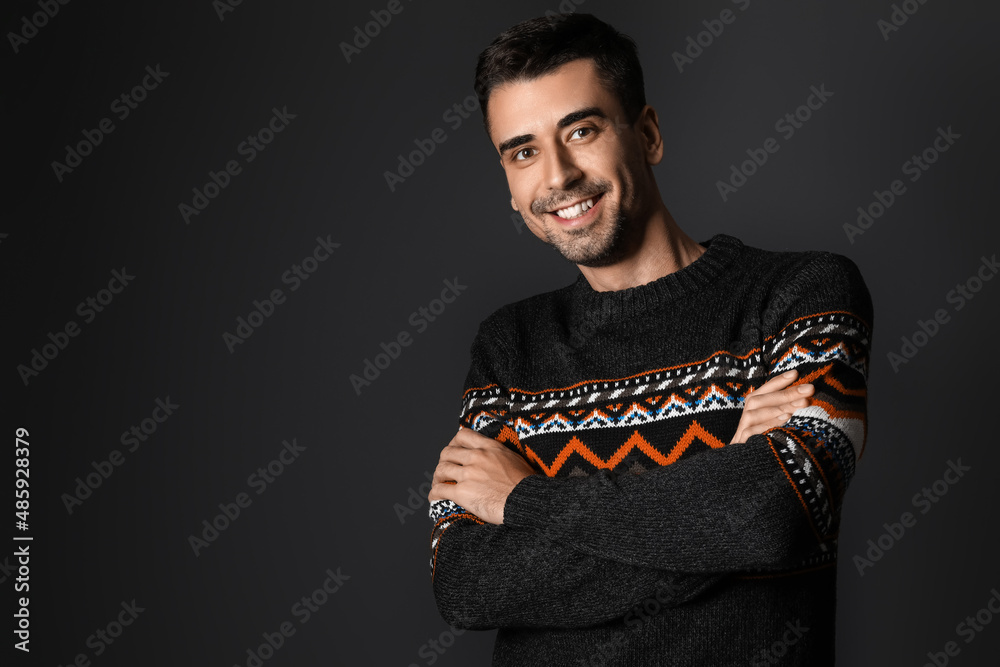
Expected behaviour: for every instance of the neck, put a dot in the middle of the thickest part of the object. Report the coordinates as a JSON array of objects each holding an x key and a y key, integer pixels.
[{"x": 655, "y": 248}]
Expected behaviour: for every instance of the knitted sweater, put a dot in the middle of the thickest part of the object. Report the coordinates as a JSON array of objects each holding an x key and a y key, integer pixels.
[{"x": 646, "y": 538}]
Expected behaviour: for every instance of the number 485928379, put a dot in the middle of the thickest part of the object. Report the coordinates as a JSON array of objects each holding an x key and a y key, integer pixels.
[{"x": 21, "y": 475}]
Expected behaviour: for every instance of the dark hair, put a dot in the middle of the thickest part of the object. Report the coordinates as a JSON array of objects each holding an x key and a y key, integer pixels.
[{"x": 538, "y": 46}]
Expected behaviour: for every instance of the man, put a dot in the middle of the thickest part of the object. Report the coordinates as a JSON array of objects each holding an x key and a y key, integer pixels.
[{"x": 615, "y": 494}]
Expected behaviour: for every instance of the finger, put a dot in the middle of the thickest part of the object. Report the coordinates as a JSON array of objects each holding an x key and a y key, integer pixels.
[
  {"x": 754, "y": 418},
  {"x": 779, "y": 419},
  {"x": 467, "y": 438},
  {"x": 470, "y": 439},
  {"x": 798, "y": 395},
  {"x": 447, "y": 472},
  {"x": 787, "y": 396},
  {"x": 777, "y": 422},
  {"x": 455, "y": 454},
  {"x": 807, "y": 389},
  {"x": 762, "y": 426},
  {"x": 440, "y": 491},
  {"x": 777, "y": 382},
  {"x": 792, "y": 398}
]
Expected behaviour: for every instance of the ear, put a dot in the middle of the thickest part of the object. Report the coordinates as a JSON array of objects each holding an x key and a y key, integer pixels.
[
  {"x": 649, "y": 133},
  {"x": 513, "y": 204}
]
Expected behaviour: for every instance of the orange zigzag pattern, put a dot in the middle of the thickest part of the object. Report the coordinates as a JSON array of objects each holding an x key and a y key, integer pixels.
[{"x": 635, "y": 441}]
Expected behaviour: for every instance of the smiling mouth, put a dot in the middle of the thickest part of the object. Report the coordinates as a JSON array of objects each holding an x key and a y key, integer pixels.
[{"x": 577, "y": 210}]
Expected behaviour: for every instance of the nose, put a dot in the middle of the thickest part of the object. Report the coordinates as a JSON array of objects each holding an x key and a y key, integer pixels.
[{"x": 561, "y": 172}]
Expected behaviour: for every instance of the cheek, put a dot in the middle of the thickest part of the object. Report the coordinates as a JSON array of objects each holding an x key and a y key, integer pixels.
[
  {"x": 627, "y": 179},
  {"x": 520, "y": 191}
]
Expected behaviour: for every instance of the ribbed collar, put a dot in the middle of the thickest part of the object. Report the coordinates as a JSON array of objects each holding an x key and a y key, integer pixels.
[{"x": 720, "y": 250}]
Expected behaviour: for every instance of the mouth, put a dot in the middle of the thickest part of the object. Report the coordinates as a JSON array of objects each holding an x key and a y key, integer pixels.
[{"x": 577, "y": 213}]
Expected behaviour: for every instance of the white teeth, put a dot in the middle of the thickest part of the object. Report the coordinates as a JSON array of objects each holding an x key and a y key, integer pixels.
[{"x": 576, "y": 210}]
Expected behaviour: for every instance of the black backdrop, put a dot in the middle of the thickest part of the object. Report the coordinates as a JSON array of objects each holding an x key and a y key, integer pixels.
[{"x": 210, "y": 75}]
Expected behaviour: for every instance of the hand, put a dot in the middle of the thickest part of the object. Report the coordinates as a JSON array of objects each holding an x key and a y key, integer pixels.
[
  {"x": 478, "y": 473},
  {"x": 771, "y": 405}
]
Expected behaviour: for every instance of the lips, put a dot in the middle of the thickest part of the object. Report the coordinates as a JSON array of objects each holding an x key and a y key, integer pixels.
[{"x": 579, "y": 211}]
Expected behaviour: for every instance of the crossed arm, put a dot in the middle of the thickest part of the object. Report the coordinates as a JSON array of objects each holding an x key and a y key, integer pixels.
[
  {"x": 530, "y": 550},
  {"x": 531, "y": 577},
  {"x": 478, "y": 473}
]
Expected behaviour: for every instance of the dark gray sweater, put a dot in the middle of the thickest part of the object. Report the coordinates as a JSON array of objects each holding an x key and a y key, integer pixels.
[{"x": 645, "y": 538}]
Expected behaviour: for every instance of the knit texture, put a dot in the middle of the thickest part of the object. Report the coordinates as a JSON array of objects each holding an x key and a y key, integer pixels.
[{"x": 645, "y": 538}]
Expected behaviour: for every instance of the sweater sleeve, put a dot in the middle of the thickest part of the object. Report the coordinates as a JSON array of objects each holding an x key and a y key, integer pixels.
[
  {"x": 486, "y": 576},
  {"x": 771, "y": 503}
]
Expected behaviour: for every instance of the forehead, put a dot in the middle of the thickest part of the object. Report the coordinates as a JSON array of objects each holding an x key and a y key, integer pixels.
[{"x": 535, "y": 106}]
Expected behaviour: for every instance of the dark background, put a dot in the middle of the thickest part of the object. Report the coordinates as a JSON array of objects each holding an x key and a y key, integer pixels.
[{"x": 323, "y": 176}]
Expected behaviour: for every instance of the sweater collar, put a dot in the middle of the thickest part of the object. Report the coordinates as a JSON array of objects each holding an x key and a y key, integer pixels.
[{"x": 720, "y": 250}]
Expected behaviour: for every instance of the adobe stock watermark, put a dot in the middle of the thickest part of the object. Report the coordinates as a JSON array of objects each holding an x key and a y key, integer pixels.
[
  {"x": 132, "y": 439},
  {"x": 415, "y": 499},
  {"x": 294, "y": 276},
  {"x": 381, "y": 18},
  {"x": 435, "y": 647},
  {"x": 914, "y": 168},
  {"x": 420, "y": 320},
  {"x": 7, "y": 569},
  {"x": 518, "y": 221},
  {"x": 606, "y": 652},
  {"x": 765, "y": 493},
  {"x": 104, "y": 637},
  {"x": 30, "y": 25},
  {"x": 786, "y": 125},
  {"x": 248, "y": 149},
  {"x": 924, "y": 500},
  {"x": 87, "y": 309},
  {"x": 302, "y": 611},
  {"x": 223, "y": 7},
  {"x": 898, "y": 17},
  {"x": 455, "y": 116},
  {"x": 958, "y": 296},
  {"x": 546, "y": 546},
  {"x": 968, "y": 629},
  {"x": 23, "y": 585},
  {"x": 547, "y": 543},
  {"x": 559, "y": 14},
  {"x": 583, "y": 329},
  {"x": 259, "y": 481},
  {"x": 774, "y": 654},
  {"x": 696, "y": 45},
  {"x": 640, "y": 614},
  {"x": 122, "y": 106}
]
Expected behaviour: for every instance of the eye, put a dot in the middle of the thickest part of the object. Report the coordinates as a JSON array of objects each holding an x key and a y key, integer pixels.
[
  {"x": 520, "y": 155},
  {"x": 586, "y": 131}
]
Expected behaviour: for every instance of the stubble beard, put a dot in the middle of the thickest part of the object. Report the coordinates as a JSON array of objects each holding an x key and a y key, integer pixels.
[{"x": 600, "y": 243}]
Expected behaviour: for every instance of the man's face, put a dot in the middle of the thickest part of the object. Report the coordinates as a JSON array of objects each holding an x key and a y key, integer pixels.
[{"x": 577, "y": 172}]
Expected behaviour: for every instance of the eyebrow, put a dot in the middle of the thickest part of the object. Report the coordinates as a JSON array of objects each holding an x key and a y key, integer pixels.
[{"x": 568, "y": 119}]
